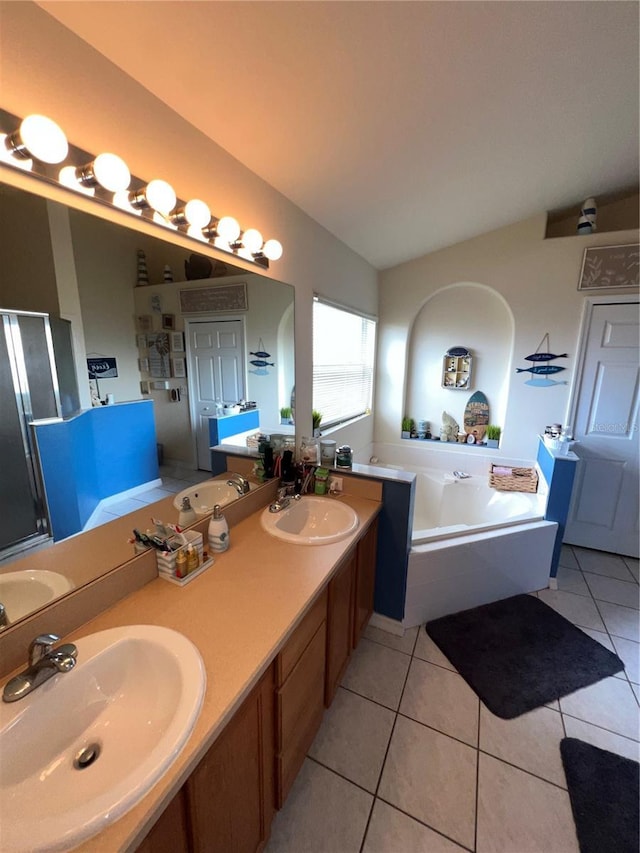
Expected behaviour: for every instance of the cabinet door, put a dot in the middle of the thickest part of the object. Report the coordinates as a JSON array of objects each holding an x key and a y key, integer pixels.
[
  {"x": 365, "y": 581},
  {"x": 169, "y": 834},
  {"x": 230, "y": 793},
  {"x": 299, "y": 710},
  {"x": 339, "y": 626}
]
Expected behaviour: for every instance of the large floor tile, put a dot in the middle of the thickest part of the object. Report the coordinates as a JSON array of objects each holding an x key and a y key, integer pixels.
[
  {"x": 518, "y": 813},
  {"x": 323, "y": 814},
  {"x": 433, "y": 778},
  {"x": 101, "y": 518},
  {"x": 567, "y": 557},
  {"x": 601, "y": 563},
  {"x": 426, "y": 649},
  {"x": 401, "y": 644},
  {"x": 391, "y": 831},
  {"x": 377, "y": 672},
  {"x": 152, "y": 495},
  {"x": 530, "y": 741},
  {"x": 600, "y": 637},
  {"x": 602, "y": 738},
  {"x": 353, "y": 738},
  {"x": 576, "y": 608},
  {"x": 632, "y": 564},
  {"x": 174, "y": 484},
  {"x": 620, "y": 621},
  {"x": 609, "y": 703},
  {"x": 441, "y": 699},
  {"x": 572, "y": 580},
  {"x": 614, "y": 591},
  {"x": 124, "y": 507},
  {"x": 629, "y": 653}
]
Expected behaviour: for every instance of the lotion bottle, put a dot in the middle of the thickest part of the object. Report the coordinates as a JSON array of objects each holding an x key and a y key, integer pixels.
[{"x": 218, "y": 533}]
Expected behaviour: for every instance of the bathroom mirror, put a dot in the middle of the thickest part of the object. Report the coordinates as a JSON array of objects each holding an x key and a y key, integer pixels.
[{"x": 48, "y": 247}]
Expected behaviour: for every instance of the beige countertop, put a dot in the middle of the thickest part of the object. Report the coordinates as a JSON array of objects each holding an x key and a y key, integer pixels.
[{"x": 238, "y": 614}]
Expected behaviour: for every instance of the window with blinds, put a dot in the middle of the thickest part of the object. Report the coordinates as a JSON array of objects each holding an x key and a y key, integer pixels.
[{"x": 343, "y": 363}]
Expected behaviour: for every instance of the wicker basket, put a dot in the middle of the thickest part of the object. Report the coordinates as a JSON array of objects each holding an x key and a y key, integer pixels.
[{"x": 520, "y": 480}]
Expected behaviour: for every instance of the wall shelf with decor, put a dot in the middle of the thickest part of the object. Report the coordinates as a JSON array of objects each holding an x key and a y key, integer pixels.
[{"x": 456, "y": 369}]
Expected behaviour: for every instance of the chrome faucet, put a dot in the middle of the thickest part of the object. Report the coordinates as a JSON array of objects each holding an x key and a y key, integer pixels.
[
  {"x": 4, "y": 619},
  {"x": 239, "y": 483},
  {"x": 44, "y": 662},
  {"x": 283, "y": 499}
]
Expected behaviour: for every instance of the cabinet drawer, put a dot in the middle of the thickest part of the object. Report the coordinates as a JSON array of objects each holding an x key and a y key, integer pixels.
[{"x": 300, "y": 639}]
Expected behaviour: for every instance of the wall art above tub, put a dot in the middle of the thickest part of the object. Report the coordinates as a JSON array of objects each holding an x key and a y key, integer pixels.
[{"x": 456, "y": 368}]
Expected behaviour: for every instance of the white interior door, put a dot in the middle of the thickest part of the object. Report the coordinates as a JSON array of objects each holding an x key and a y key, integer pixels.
[
  {"x": 604, "y": 507},
  {"x": 217, "y": 372}
]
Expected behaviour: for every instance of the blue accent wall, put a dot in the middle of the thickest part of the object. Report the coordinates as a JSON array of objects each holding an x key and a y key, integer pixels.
[
  {"x": 395, "y": 526},
  {"x": 221, "y": 428},
  {"x": 96, "y": 454},
  {"x": 559, "y": 472}
]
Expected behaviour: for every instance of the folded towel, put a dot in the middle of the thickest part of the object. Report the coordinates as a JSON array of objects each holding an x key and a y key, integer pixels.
[{"x": 502, "y": 472}]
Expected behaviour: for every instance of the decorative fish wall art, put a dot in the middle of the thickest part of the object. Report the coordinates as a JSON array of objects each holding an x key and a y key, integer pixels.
[
  {"x": 260, "y": 360},
  {"x": 541, "y": 368}
]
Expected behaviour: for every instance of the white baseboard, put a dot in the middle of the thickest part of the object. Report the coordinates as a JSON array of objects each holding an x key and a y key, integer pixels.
[
  {"x": 553, "y": 583},
  {"x": 385, "y": 623}
]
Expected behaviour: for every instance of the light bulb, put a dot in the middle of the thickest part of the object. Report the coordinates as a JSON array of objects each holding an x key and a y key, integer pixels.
[
  {"x": 68, "y": 177},
  {"x": 121, "y": 200},
  {"x": 252, "y": 240},
  {"x": 161, "y": 219},
  {"x": 8, "y": 155},
  {"x": 272, "y": 249},
  {"x": 228, "y": 229},
  {"x": 111, "y": 172},
  {"x": 197, "y": 213},
  {"x": 196, "y": 233},
  {"x": 43, "y": 139},
  {"x": 220, "y": 243},
  {"x": 161, "y": 196}
]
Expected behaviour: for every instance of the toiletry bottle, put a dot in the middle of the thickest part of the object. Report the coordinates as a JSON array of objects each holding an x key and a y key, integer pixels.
[
  {"x": 218, "y": 533},
  {"x": 187, "y": 514},
  {"x": 181, "y": 564},
  {"x": 193, "y": 560}
]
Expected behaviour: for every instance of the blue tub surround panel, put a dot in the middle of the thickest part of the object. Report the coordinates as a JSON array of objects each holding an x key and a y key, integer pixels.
[
  {"x": 559, "y": 472},
  {"x": 228, "y": 425},
  {"x": 395, "y": 526},
  {"x": 95, "y": 454}
]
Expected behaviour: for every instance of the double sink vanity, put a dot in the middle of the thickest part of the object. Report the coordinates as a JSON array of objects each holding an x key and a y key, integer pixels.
[{"x": 189, "y": 711}]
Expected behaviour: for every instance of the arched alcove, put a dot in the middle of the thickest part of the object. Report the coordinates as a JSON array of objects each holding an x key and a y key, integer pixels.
[{"x": 463, "y": 314}]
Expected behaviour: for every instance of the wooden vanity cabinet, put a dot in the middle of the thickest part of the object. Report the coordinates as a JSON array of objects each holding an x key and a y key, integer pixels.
[
  {"x": 339, "y": 624},
  {"x": 365, "y": 581},
  {"x": 170, "y": 832},
  {"x": 230, "y": 795},
  {"x": 300, "y": 673}
]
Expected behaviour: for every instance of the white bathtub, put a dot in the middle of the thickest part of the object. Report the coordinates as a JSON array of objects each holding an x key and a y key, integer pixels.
[{"x": 470, "y": 544}]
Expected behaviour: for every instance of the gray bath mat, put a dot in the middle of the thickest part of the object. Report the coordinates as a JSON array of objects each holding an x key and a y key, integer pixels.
[
  {"x": 604, "y": 789},
  {"x": 519, "y": 654}
]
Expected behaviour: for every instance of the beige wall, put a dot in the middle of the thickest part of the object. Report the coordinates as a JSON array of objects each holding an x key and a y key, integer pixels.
[
  {"x": 45, "y": 68},
  {"x": 537, "y": 278}
]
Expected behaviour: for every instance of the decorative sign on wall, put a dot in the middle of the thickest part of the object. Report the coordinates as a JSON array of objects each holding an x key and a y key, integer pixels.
[
  {"x": 456, "y": 368},
  {"x": 476, "y": 417},
  {"x": 259, "y": 361},
  {"x": 214, "y": 300},
  {"x": 541, "y": 369},
  {"x": 610, "y": 266},
  {"x": 159, "y": 355},
  {"x": 102, "y": 367}
]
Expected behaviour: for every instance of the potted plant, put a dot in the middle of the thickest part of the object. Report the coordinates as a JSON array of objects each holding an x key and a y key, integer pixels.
[
  {"x": 493, "y": 435},
  {"x": 285, "y": 415},
  {"x": 408, "y": 426},
  {"x": 316, "y": 417}
]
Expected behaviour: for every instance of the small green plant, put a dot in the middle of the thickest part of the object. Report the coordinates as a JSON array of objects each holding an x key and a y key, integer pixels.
[
  {"x": 316, "y": 417},
  {"x": 493, "y": 432},
  {"x": 408, "y": 424},
  {"x": 285, "y": 412}
]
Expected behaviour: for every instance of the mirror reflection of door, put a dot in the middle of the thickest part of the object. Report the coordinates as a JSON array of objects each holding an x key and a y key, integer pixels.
[{"x": 216, "y": 373}]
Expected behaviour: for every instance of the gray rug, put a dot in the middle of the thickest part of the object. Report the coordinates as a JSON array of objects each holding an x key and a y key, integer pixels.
[
  {"x": 604, "y": 789},
  {"x": 519, "y": 654}
]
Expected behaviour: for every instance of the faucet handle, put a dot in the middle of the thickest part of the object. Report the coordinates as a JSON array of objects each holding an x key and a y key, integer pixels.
[{"x": 41, "y": 646}]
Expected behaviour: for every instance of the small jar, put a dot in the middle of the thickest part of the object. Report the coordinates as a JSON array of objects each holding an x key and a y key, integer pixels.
[
  {"x": 327, "y": 452},
  {"x": 344, "y": 457}
]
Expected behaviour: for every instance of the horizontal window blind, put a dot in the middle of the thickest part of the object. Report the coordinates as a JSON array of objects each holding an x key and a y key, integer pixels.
[{"x": 343, "y": 361}]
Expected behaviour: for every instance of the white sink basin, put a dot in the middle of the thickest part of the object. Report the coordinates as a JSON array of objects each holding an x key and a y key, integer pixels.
[
  {"x": 134, "y": 695},
  {"x": 28, "y": 590},
  {"x": 204, "y": 496},
  {"x": 311, "y": 521}
]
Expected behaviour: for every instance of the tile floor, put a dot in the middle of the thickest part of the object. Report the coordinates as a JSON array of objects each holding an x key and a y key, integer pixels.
[
  {"x": 174, "y": 479},
  {"x": 408, "y": 760}
]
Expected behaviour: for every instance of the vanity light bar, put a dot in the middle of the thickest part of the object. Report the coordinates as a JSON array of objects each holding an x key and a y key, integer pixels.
[{"x": 38, "y": 145}]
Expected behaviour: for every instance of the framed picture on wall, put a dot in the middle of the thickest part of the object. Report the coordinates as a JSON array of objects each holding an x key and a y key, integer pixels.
[
  {"x": 178, "y": 368},
  {"x": 144, "y": 323},
  {"x": 606, "y": 267},
  {"x": 141, "y": 341},
  {"x": 143, "y": 365},
  {"x": 177, "y": 342},
  {"x": 169, "y": 321}
]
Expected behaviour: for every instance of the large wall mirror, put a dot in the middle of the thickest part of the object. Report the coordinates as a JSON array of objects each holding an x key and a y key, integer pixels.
[{"x": 60, "y": 260}]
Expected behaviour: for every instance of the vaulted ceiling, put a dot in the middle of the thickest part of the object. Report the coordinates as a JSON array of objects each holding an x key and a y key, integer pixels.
[{"x": 402, "y": 127}]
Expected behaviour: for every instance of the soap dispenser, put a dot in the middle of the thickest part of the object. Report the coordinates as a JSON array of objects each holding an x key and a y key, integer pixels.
[
  {"x": 187, "y": 514},
  {"x": 218, "y": 533}
]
